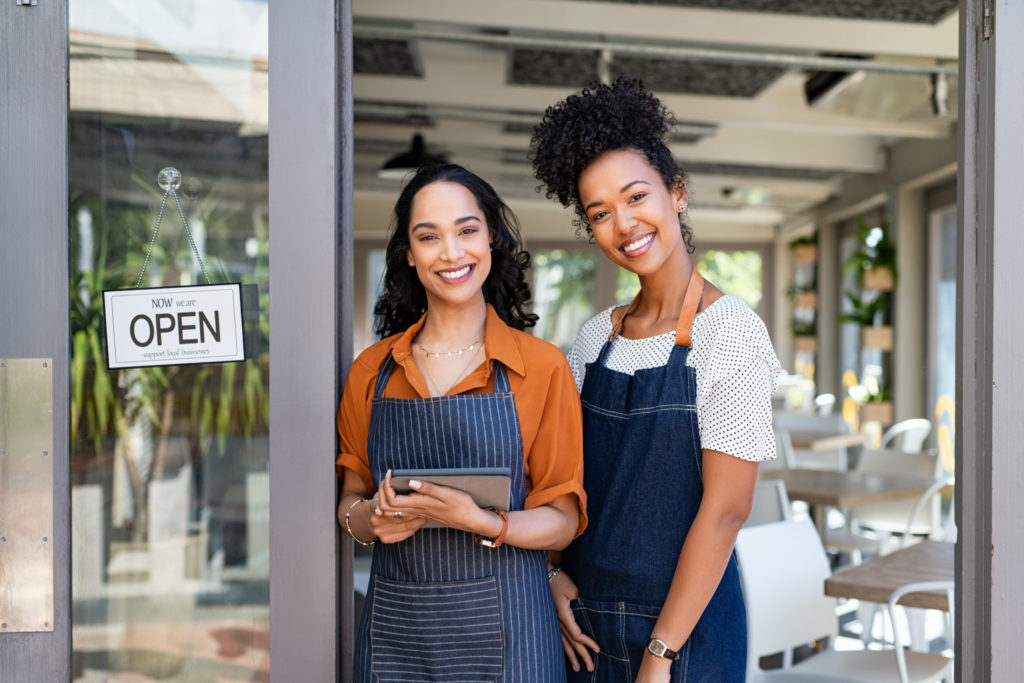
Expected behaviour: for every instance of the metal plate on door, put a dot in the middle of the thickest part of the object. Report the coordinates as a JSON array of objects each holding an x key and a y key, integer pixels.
[{"x": 26, "y": 495}]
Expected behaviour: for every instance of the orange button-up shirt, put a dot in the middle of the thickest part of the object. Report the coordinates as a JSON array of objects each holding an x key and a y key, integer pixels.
[{"x": 542, "y": 386}]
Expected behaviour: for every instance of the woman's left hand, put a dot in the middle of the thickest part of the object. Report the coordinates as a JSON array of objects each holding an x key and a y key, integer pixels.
[
  {"x": 654, "y": 670},
  {"x": 451, "y": 507}
]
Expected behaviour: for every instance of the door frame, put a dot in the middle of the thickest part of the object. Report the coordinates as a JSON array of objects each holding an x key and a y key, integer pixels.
[
  {"x": 34, "y": 300},
  {"x": 310, "y": 334},
  {"x": 310, "y": 311},
  {"x": 990, "y": 324}
]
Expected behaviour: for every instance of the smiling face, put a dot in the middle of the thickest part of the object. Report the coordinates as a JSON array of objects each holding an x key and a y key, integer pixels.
[
  {"x": 633, "y": 216},
  {"x": 449, "y": 244}
]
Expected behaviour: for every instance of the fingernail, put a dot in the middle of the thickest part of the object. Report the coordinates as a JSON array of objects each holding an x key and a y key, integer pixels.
[
  {"x": 414, "y": 483},
  {"x": 388, "y": 475}
]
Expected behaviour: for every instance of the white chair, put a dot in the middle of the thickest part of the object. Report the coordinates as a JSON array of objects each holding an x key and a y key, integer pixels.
[
  {"x": 771, "y": 503},
  {"x": 909, "y": 433},
  {"x": 946, "y": 532},
  {"x": 871, "y": 525},
  {"x": 793, "y": 428},
  {"x": 891, "y": 516},
  {"x": 894, "y": 599},
  {"x": 783, "y": 568}
]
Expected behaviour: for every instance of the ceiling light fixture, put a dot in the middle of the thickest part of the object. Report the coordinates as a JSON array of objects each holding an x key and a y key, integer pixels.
[{"x": 404, "y": 163}]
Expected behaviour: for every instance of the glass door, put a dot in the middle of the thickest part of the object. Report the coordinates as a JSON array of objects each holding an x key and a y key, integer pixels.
[{"x": 169, "y": 463}]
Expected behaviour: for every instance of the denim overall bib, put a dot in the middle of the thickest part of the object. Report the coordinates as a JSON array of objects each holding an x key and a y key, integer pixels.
[
  {"x": 642, "y": 475},
  {"x": 441, "y": 607}
]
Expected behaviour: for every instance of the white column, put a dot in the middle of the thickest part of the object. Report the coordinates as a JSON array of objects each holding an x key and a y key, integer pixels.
[{"x": 910, "y": 306}]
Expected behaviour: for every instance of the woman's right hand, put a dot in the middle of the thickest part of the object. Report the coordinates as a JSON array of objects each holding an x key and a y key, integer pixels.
[
  {"x": 388, "y": 528},
  {"x": 574, "y": 641}
]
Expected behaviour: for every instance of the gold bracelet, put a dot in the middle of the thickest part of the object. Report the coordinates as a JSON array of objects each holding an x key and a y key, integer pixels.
[{"x": 348, "y": 526}]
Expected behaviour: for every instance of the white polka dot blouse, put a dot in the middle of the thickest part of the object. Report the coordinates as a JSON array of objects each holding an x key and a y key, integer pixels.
[{"x": 736, "y": 367}]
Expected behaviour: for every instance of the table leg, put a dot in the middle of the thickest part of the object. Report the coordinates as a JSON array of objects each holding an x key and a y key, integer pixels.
[{"x": 820, "y": 513}]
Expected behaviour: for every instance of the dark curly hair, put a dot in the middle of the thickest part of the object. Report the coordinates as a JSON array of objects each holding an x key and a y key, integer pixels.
[
  {"x": 602, "y": 118},
  {"x": 404, "y": 299}
]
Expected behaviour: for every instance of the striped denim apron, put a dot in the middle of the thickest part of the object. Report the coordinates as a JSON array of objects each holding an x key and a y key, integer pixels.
[
  {"x": 642, "y": 475},
  {"x": 441, "y": 607}
]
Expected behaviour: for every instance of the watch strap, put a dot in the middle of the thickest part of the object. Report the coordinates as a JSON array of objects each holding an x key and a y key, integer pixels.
[{"x": 500, "y": 538}]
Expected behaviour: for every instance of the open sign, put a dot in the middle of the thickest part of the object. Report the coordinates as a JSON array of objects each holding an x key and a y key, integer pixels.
[{"x": 174, "y": 325}]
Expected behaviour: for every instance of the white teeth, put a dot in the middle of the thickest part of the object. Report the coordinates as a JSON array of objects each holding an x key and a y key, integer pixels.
[
  {"x": 455, "y": 274},
  {"x": 633, "y": 246}
]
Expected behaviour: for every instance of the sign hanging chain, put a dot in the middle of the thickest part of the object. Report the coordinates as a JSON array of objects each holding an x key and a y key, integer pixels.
[{"x": 170, "y": 180}]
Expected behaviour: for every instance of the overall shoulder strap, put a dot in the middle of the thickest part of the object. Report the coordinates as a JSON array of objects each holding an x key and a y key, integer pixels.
[{"x": 691, "y": 302}]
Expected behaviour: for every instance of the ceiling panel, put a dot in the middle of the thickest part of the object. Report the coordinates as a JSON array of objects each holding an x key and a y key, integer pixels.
[
  {"x": 914, "y": 11},
  {"x": 384, "y": 57},
  {"x": 577, "y": 69}
]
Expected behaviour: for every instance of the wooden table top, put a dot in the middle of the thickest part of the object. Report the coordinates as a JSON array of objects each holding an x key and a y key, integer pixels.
[
  {"x": 876, "y": 579},
  {"x": 831, "y": 443},
  {"x": 843, "y": 488}
]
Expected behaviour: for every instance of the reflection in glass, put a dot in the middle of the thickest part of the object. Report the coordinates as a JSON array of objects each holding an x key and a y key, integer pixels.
[
  {"x": 170, "y": 509},
  {"x": 943, "y": 332}
]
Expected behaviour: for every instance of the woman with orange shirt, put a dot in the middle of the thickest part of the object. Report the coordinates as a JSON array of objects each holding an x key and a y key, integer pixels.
[{"x": 456, "y": 383}]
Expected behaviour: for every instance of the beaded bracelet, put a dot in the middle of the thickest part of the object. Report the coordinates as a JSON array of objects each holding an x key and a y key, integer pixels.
[
  {"x": 348, "y": 526},
  {"x": 553, "y": 572}
]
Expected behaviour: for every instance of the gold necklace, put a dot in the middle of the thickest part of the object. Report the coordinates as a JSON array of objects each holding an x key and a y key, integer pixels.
[
  {"x": 453, "y": 352},
  {"x": 435, "y": 387}
]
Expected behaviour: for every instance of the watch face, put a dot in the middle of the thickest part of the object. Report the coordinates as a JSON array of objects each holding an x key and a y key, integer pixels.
[{"x": 658, "y": 648}]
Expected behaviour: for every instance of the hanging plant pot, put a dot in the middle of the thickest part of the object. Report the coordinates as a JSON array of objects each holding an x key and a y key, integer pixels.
[
  {"x": 876, "y": 337},
  {"x": 878, "y": 278},
  {"x": 805, "y": 253},
  {"x": 876, "y": 411},
  {"x": 805, "y": 343},
  {"x": 805, "y": 300}
]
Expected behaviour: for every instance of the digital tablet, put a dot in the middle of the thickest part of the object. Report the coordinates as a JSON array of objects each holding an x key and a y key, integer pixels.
[{"x": 489, "y": 486}]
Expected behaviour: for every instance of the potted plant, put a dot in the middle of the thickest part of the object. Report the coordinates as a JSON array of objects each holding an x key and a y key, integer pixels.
[
  {"x": 875, "y": 260},
  {"x": 805, "y": 249},
  {"x": 878, "y": 406},
  {"x": 871, "y": 315},
  {"x": 805, "y": 296},
  {"x": 804, "y": 336}
]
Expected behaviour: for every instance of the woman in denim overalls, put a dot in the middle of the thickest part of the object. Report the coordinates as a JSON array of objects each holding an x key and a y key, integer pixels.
[
  {"x": 456, "y": 384},
  {"x": 650, "y": 592}
]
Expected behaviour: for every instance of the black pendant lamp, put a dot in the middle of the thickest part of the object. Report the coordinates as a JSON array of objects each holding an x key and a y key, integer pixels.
[{"x": 401, "y": 165}]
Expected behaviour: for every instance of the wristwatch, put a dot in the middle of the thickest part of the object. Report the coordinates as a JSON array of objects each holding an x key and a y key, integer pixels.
[{"x": 658, "y": 648}]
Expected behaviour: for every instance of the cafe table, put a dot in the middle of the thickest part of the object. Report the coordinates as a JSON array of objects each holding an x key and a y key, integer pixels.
[
  {"x": 830, "y": 443},
  {"x": 874, "y": 580},
  {"x": 845, "y": 488}
]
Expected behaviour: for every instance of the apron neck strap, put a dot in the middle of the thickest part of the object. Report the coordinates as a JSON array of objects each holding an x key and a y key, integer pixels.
[
  {"x": 383, "y": 375},
  {"x": 617, "y": 327},
  {"x": 691, "y": 302}
]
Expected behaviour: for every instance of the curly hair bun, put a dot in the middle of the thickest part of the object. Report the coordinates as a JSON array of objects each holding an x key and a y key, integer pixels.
[{"x": 602, "y": 117}]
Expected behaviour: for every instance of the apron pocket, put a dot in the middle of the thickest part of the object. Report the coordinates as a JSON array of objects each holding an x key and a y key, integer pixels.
[{"x": 436, "y": 631}]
